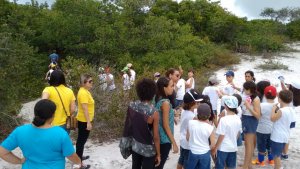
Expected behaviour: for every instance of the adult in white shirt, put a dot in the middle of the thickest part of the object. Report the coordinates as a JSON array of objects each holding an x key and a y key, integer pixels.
[
  {"x": 282, "y": 118},
  {"x": 126, "y": 79},
  {"x": 110, "y": 79},
  {"x": 190, "y": 83},
  {"x": 228, "y": 130},
  {"x": 180, "y": 91}
]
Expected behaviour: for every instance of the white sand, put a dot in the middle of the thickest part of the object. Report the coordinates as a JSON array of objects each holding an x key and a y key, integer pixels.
[{"x": 107, "y": 156}]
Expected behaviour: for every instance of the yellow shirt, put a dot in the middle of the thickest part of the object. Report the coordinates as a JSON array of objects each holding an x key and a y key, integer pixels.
[
  {"x": 67, "y": 97},
  {"x": 84, "y": 96}
]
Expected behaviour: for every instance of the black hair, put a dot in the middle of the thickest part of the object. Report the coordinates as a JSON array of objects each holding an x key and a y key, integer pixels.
[
  {"x": 251, "y": 74},
  {"x": 201, "y": 117},
  {"x": 207, "y": 101},
  {"x": 57, "y": 78},
  {"x": 239, "y": 98},
  {"x": 191, "y": 70},
  {"x": 170, "y": 71},
  {"x": 252, "y": 87},
  {"x": 234, "y": 110},
  {"x": 43, "y": 111},
  {"x": 286, "y": 96},
  {"x": 269, "y": 95},
  {"x": 296, "y": 95},
  {"x": 161, "y": 83},
  {"x": 260, "y": 87},
  {"x": 145, "y": 89}
]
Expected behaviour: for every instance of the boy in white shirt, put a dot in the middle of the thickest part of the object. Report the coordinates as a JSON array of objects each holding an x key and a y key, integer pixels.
[
  {"x": 180, "y": 91},
  {"x": 264, "y": 128},
  {"x": 199, "y": 135},
  {"x": 282, "y": 118},
  {"x": 228, "y": 89},
  {"x": 228, "y": 130},
  {"x": 190, "y": 100}
]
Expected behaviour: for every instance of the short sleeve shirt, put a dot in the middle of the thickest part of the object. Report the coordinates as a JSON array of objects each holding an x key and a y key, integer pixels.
[
  {"x": 84, "y": 96},
  {"x": 42, "y": 148}
]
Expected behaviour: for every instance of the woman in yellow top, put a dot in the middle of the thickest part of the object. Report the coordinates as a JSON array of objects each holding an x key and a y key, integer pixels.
[
  {"x": 54, "y": 92},
  {"x": 85, "y": 114}
]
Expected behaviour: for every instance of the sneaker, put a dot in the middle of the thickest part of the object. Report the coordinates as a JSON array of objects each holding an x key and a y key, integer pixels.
[
  {"x": 271, "y": 162},
  {"x": 284, "y": 156},
  {"x": 256, "y": 162},
  {"x": 85, "y": 167}
]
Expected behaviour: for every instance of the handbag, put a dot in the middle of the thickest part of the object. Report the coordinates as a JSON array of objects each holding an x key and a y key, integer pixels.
[{"x": 71, "y": 121}]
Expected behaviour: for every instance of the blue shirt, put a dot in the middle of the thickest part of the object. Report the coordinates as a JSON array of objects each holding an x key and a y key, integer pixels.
[
  {"x": 162, "y": 133},
  {"x": 42, "y": 148}
]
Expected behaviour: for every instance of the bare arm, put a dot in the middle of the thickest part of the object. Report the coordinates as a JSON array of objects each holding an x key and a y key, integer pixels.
[
  {"x": 188, "y": 84},
  {"x": 75, "y": 159},
  {"x": 219, "y": 141},
  {"x": 45, "y": 95},
  {"x": 256, "y": 108},
  {"x": 187, "y": 135},
  {"x": 86, "y": 115},
  {"x": 283, "y": 87},
  {"x": 156, "y": 137},
  {"x": 10, "y": 157},
  {"x": 166, "y": 126},
  {"x": 72, "y": 107},
  {"x": 275, "y": 114}
]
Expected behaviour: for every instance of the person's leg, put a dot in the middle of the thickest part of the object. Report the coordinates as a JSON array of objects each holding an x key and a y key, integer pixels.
[
  {"x": 181, "y": 159},
  {"x": 221, "y": 158},
  {"x": 204, "y": 160},
  {"x": 192, "y": 161},
  {"x": 148, "y": 162},
  {"x": 82, "y": 137},
  {"x": 268, "y": 147},
  {"x": 261, "y": 146},
  {"x": 249, "y": 149},
  {"x": 136, "y": 160},
  {"x": 231, "y": 160},
  {"x": 285, "y": 152},
  {"x": 164, "y": 152},
  {"x": 186, "y": 158},
  {"x": 276, "y": 149}
]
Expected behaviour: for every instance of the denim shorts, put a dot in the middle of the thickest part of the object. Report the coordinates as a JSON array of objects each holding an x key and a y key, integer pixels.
[
  {"x": 249, "y": 124},
  {"x": 227, "y": 159},
  {"x": 276, "y": 148},
  {"x": 199, "y": 161},
  {"x": 263, "y": 142},
  {"x": 184, "y": 156}
]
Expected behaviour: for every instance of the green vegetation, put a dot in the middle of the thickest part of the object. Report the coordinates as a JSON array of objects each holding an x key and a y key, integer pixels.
[
  {"x": 273, "y": 65},
  {"x": 153, "y": 35}
]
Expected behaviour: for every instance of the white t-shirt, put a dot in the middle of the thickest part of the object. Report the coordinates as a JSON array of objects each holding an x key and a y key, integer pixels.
[
  {"x": 186, "y": 116},
  {"x": 265, "y": 124},
  {"x": 126, "y": 82},
  {"x": 132, "y": 77},
  {"x": 229, "y": 126},
  {"x": 212, "y": 92},
  {"x": 102, "y": 79},
  {"x": 244, "y": 108},
  {"x": 227, "y": 90},
  {"x": 111, "y": 82},
  {"x": 199, "y": 135},
  {"x": 281, "y": 127},
  {"x": 193, "y": 84},
  {"x": 181, "y": 89}
]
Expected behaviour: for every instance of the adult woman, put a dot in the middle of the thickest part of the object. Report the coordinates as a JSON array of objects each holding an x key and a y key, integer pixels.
[
  {"x": 174, "y": 75},
  {"x": 85, "y": 114},
  {"x": 142, "y": 122},
  {"x": 165, "y": 88},
  {"x": 62, "y": 96},
  {"x": 34, "y": 140},
  {"x": 251, "y": 114}
]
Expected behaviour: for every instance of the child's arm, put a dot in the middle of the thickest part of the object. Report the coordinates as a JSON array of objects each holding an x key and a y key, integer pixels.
[
  {"x": 212, "y": 139},
  {"x": 256, "y": 108},
  {"x": 215, "y": 148},
  {"x": 156, "y": 137},
  {"x": 276, "y": 113},
  {"x": 187, "y": 135}
]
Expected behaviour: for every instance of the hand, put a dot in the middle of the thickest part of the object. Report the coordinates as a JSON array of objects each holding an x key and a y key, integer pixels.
[
  {"x": 23, "y": 160},
  {"x": 175, "y": 148},
  {"x": 214, "y": 152},
  {"x": 247, "y": 104},
  {"x": 89, "y": 126},
  {"x": 157, "y": 160}
]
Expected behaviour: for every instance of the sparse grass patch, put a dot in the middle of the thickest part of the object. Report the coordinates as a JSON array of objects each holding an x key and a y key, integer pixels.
[{"x": 272, "y": 65}]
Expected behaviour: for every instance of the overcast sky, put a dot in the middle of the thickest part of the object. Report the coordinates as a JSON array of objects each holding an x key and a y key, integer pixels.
[{"x": 242, "y": 8}]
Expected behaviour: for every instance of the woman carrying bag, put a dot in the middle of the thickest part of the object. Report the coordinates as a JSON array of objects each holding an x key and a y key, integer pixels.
[{"x": 85, "y": 115}]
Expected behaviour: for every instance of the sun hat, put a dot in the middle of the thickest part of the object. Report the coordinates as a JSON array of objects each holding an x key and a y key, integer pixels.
[
  {"x": 192, "y": 96},
  {"x": 213, "y": 80},
  {"x": 231, "y": 101},
  {"x": 270, "y": 89},
  {"x": 229, "y": 73}
]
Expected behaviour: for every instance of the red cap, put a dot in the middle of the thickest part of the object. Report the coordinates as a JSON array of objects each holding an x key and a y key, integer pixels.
[{"x": 270, "y": 89}]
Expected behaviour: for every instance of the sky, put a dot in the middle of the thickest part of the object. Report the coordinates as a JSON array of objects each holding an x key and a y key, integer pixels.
[{"x": 242, "y": 8}]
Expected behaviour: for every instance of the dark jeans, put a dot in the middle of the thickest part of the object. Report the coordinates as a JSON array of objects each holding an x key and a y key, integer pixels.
[
  {"x": 142, "y": 162},
  {"x": 82, "y": 137},
  {"x": 164, "y": 154}
]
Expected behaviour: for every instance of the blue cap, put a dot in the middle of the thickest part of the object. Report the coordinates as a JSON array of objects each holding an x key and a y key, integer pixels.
[{"x": 229, "y": 73}]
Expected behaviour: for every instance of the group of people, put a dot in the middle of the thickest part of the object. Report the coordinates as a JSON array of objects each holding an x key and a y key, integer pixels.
[
  {"x": 255, "y": 113},
  {"x": 46, "y": 142}
]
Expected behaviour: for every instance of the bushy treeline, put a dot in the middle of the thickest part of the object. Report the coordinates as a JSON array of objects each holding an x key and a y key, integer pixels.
[{"x": 151, "y": 34}]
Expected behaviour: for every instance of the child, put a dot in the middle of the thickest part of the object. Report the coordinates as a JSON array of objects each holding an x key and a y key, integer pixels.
[
  {"x": 264, "y": 128},
  {"x": 282, "y": 118},
  {"x": 213, "y": 93},
  {"x": 190, "y": 100},
  {"x": 199, "y": 133},
  {"x": 190, "y": 83},
  {"x": 228, "y": 130},
  {"x": 126, "y": 79},
  {"x": 228, "y": 89}
]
